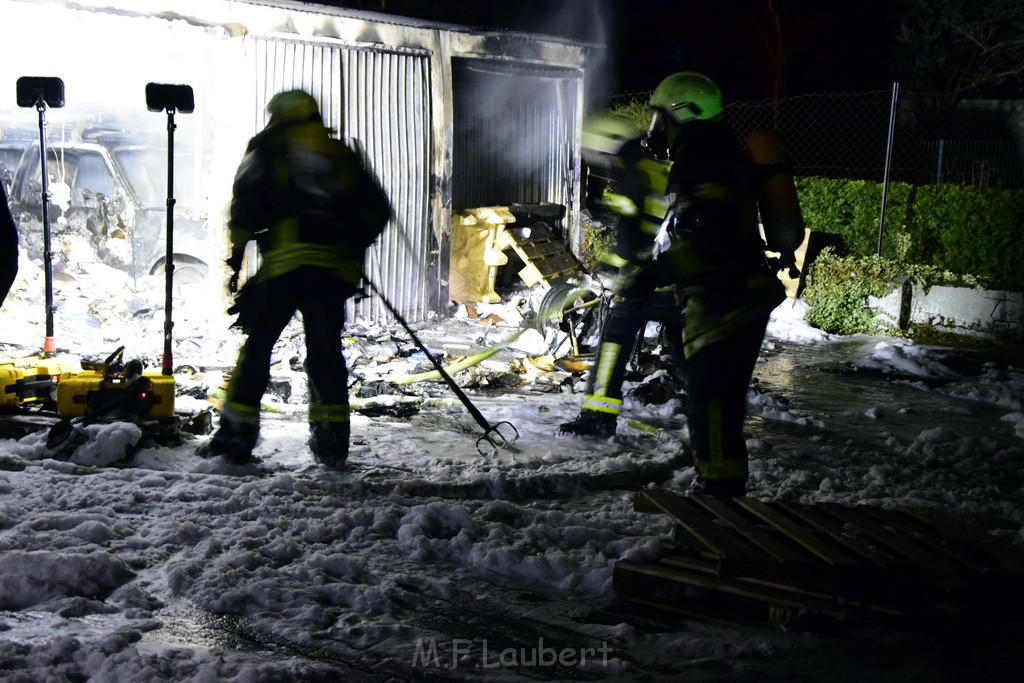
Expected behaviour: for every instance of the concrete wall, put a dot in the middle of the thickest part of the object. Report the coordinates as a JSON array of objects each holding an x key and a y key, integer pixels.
[{"x": 956, "y": 310}]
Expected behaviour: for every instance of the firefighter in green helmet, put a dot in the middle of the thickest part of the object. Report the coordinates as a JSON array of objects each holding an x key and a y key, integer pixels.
[
  {"x": 312, "y": 208},
  {"x": 709, "y": 247},
  {"x": 629, "y": 191}
]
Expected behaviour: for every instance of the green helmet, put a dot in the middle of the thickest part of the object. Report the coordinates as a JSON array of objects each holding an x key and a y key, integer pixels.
[
  {"x": 688, "y": 95},
  {"x": 606, "y": 132},
  {"x": 293, "y": 105}
]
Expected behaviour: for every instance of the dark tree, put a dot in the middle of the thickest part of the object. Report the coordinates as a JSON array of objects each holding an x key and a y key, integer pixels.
[{"x": 962, "y": 48}]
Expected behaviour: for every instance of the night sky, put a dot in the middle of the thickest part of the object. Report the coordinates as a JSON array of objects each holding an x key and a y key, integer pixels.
[{"x": 828, "y": 45}]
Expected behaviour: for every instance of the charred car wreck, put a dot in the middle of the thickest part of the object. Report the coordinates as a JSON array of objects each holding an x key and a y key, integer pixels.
[{"x": 107, "y": 203}]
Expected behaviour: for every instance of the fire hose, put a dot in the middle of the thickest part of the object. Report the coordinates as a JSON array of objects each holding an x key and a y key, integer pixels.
[{"x": 545, "y": 314}]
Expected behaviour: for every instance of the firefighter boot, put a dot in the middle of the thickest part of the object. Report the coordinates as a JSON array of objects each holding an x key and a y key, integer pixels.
[
  {"x": 233, "y": 441},
  {"x": 718, "y": 488},
  {"x": 590, "y": 423},
  {"x": 328, "y": 442}
]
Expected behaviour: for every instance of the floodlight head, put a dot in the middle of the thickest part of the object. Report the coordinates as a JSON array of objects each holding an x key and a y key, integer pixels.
[
  {"x": 173, "y": 98},
  {"x": 36, "y": 90}
]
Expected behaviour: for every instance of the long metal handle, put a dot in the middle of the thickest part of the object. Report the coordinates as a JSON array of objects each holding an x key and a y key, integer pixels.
[{"x": 492, "y": 434}]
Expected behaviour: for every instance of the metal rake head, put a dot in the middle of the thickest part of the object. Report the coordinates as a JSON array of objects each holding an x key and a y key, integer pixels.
[{"x": 501, "y": 435}]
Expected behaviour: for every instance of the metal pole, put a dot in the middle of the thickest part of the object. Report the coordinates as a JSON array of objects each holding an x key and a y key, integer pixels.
[
  {"x": 888, "y": 163},
  {"x": 49, "y": 343},
  {"x": 168, "y": 362}
]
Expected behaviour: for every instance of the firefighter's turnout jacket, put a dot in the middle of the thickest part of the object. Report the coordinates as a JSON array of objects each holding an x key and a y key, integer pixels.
[{"x": 307, "y": 200}]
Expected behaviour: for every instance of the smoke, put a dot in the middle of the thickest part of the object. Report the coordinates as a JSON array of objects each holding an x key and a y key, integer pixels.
[
  {"x": 583, "y": 21},
  {"x": 515, "y": 124},
  {"x": 105, "y": 62}
]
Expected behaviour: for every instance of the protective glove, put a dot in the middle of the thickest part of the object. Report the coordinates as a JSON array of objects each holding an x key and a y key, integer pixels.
[
  {"x": 788, "y": 262},
  {"x": 234, "y": 262}
]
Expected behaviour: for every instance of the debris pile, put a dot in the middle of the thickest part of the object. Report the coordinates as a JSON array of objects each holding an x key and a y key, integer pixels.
[{"x": 523, "y": 343}]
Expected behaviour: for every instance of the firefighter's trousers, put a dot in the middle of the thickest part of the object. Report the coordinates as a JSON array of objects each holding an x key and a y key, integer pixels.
[
  {"x": 718, "y": 377},
  {"x": 624, "y": 321},
  {"x": 320, "y": 298}
]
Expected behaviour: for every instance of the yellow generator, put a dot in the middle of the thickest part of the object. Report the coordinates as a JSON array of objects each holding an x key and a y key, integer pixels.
[
  {"x": 116, "y": 389},
  {"x": 31, "y": 380}
]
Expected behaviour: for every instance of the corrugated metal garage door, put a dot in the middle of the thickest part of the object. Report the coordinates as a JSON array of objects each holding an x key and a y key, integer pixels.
[
  {"x": 515, "y": 127},
  {"x": 381, "y": 100}
]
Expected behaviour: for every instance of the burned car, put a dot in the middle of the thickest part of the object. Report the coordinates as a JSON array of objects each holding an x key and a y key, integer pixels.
[{"x": 108, "y": 201}]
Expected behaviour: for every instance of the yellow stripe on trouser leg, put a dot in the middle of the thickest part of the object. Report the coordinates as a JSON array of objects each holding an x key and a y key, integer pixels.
[
  {"x": 328, "y": 412},
  {"x": 719, "y": 466},
  {"x": 241, "y": 414},
  {"x": 599, "y": 400},
  {"x": 606, "y": 360},
  {"x": 602, "y": 404}
]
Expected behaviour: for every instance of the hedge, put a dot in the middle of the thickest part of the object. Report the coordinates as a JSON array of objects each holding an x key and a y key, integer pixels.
[{"x": 967, "y": 230}]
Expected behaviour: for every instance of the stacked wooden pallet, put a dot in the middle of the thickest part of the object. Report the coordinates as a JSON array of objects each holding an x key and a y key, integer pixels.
[
  {"x": 547, "y": 261},
  {"x": 770, "y": 563}
]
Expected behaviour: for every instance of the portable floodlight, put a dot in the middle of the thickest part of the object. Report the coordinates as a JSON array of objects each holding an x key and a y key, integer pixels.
[
  {"x": 35, "y": 89},
  {"x": 42, "y": 92},
  {"x": 172, "y": 99},
  {"x": 165, "y": 97}
]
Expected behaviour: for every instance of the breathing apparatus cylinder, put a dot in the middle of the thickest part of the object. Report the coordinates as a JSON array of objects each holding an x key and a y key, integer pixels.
[{"x": 776, "y": 195}]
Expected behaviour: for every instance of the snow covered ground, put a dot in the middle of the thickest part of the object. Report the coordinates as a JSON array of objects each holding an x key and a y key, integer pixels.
[{"x": 427, "y": 560}]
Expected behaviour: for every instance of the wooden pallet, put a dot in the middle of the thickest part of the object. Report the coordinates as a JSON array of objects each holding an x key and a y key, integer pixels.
[
  {"x": 770, "y": 563},
  {"x": 547, "y": 261}
]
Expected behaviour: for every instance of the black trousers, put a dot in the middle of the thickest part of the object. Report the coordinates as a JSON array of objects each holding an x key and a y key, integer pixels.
[
  {"x": 718, "y": 377},
  {"x": 320, "y": 297},
  {"x": 8, "y": 273},
  {"x": 624, "y": 321}
]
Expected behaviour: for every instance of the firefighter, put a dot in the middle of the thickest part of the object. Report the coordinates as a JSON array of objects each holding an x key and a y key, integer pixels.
[
  {"x": 630, "y": 189},
  {"x": 313, "y": 209},
  {"x": 709, "y": 246},
  {"x": 8, "y": 245}
]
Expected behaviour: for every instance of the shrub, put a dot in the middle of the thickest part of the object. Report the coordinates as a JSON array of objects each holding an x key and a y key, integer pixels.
[{"x": 837, "y": 290}]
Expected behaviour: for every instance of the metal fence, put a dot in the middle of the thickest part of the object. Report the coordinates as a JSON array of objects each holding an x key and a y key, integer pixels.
[{"x": 847, "y": 135}]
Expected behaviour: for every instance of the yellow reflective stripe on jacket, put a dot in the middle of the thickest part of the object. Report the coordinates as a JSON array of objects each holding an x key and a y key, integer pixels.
[
  {"x": 655, "y": 208},
  {"x": 656, "y": 172},
  {"x": 286, "y": 253},
  {"x": 283, "y": 259},
  {"x": 620, "y": 204},
  {"x": 715, "y": 192},
  {"x": 328, "y": 412}
]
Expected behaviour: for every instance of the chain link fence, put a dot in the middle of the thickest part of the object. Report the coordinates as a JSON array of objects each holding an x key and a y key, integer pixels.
[{"x": 846, "y": 135}]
